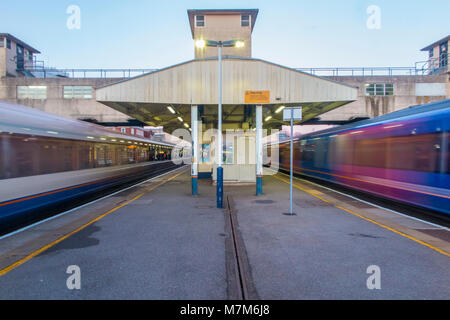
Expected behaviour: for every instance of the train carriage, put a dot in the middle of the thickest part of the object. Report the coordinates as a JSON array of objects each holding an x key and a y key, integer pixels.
[
  {"x": 403, "y": 156},
  {"x": 47, "y": 161}
]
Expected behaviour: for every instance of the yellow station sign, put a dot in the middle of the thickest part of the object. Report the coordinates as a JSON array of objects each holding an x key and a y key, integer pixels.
[{"x": 255, "y": 97}]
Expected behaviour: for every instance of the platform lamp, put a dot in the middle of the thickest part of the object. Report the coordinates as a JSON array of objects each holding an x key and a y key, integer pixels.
[{"x": 219, "y": 44}]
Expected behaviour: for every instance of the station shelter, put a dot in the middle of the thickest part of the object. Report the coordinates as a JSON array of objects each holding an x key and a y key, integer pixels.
[{"x": 183, "y": 98}]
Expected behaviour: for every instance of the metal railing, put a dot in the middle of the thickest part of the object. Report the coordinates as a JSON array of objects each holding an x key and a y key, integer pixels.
[
  {"x": 87, "y": 73},
  {"x": 365, "y": 71},
  {"x": 429, "y": 67}
]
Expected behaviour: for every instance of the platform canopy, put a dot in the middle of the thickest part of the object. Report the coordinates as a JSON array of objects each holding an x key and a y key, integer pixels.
[{"x": 149, "y": 96}]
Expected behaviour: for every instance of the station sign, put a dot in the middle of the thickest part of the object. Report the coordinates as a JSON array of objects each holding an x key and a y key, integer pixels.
[
  {"x": 295, "y": 113},
  {"x": 255, "y": 97}
]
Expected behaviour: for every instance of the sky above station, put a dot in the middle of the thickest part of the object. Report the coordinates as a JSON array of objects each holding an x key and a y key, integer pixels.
[{"x": 295, "y": 33}]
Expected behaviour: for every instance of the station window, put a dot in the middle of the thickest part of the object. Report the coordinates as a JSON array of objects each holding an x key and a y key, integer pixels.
[
  {"x": 77, "y": 92},
  {"x": 199, "y": 21},
  {"x": 31, "y": 92},
  {"x": 379, "y": 89},
  {"x": 431, "y": 52},
  {"x": 2, "y": 42},
  {"x": 8, "y": 43},
  {"x": 245, "y": 20}
]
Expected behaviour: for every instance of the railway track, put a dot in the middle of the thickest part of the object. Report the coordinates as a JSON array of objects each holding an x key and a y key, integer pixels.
[
  {"x": 402, "y": 208},
  {"x": 239, "y": 277}
]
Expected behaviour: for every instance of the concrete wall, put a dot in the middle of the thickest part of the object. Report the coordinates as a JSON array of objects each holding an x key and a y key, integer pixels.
[
  {"x": 373, "y": 106},
  {"x": 3, "y": 62},
  {"x": 223, "y": 28},
  {"x": 55, "y": 102},
  {"x": 11, "y": 64}
]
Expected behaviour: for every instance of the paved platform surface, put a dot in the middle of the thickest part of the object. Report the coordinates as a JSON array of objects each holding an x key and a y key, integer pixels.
[
  {"x": 164, "y": 245},
  {"x": 323, "y": 252},
  {"x": 157, "y": 241}
]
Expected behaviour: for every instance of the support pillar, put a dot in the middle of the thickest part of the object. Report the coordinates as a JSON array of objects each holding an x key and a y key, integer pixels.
[
  {"x": 194, "y": 163},
  {"x": 259, "y": 151}
]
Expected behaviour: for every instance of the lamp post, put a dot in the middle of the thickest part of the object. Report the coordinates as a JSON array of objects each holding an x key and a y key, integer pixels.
[{"x": 219, "y": 44}]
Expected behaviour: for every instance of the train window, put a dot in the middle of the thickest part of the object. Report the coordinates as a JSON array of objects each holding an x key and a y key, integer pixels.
[
  {"x": 370, "y": 153},
  {"x": 416, "y": 153},
  {"x": 447, "y": 155}
]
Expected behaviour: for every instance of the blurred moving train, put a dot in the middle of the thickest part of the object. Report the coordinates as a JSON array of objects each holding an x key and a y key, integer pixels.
[
  {"x": 403, "y": 156},
  {"x": 47, "y": 161}
]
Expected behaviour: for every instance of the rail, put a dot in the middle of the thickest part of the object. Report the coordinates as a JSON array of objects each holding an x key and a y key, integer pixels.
[
  {"x": 365, "y": 71},
  {"x": 87, "y": 73}
]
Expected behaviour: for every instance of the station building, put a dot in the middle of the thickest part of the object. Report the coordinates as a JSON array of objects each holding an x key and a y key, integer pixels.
[{"x": 71, "y": 93}]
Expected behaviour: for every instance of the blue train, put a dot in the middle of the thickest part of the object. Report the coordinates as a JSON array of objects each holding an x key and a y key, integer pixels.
[{"x": 403, "y": 156}]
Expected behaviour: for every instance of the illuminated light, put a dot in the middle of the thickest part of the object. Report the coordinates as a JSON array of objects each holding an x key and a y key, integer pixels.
[
  {"x": 89, "y": 137},
  {"x": 356, "y": 132},
  {"x": 279, "y": 109},
  {"x": 171, "y": 109},
  {"x": 103, "y": 139},
  {"x": 186, "y": 125},
  {"x": 180, "y": 119},
  {"x": 190, "y": 129},
  {"x": 122, "y": 141},
  {"x": 131, "y": 147},
  {"x": 114, "y": 140},
  {"x": 200, "y": 43},
  {"x": 52, "y": 132},
  {"x": 393, "y": 126},
  {"x": 268, "y": 118},
  {"x": 239, "y": 44},
  {"x": 129, "y": 141}
]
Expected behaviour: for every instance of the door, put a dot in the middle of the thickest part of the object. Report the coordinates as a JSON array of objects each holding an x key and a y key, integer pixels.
[
  {"x": 20, "y": 57},
  {"x": 443, "y": 54}
]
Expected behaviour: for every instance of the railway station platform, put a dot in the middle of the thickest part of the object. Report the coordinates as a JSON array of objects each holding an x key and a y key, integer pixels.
[{"x": 157, "y": 241}]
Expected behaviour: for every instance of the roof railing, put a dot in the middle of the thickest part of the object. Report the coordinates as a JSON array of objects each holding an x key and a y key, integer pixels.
[{"x": 429, "y": 67}]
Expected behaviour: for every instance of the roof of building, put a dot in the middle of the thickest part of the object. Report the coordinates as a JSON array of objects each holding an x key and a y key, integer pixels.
[
  {"x": 23, "y": 44},
  {"x": 194, "y": 82},
  {"x": 193, "y": 12},
  {"x": 447, "y": 38}
]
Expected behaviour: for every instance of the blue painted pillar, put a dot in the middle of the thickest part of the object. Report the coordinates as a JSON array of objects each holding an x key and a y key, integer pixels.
[
  {"x": 194, "y": 163},
  {"x": 259, "y": 151}
]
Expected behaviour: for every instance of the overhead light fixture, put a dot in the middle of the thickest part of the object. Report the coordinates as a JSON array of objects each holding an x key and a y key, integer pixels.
[
  {"x": 279, "y": 109},
  {"x": 200, "y": 43},
  {"x": 268, "y": 118},
  {"x": 171, "y": 109},
  {"x": 89, "y": 137},
  {"x": 239, "y": 44},
  {"x": 186, "y": 125},
  {"x": 180, "y": 118}
]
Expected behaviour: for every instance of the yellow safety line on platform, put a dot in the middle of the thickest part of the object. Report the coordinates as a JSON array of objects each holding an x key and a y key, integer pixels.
[
  {"x": 37, "y": 252},
  {"x": 370, "y": 220}
]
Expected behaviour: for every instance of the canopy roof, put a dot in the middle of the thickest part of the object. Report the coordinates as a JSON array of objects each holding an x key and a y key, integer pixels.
[{"x": 147, "y": 97}]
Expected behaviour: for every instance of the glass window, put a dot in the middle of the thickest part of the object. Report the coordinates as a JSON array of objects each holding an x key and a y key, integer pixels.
[
  {"x": 8, "y": 43},
  {"x": 388, "y": 89},
  {"x": 245, "y": 20},
  {"x": 2, "y": 42},
  {"x": 370, "y": 89},
  {"x": 77, "y": 92},
  {"x": 379, "y": 89},
  {"x": 31, "y": 92},
  {"x": 199, "y": 21}
]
